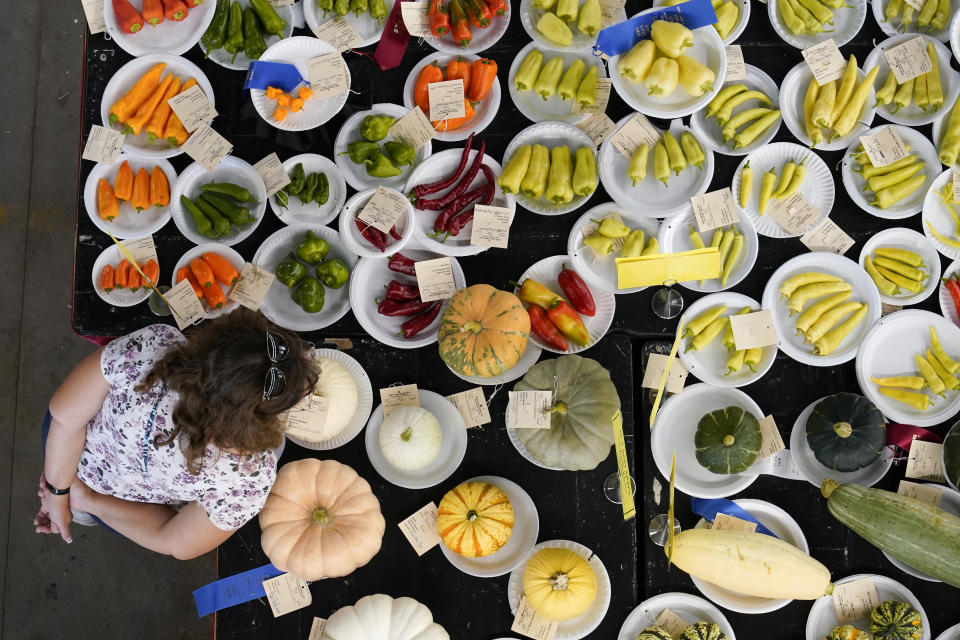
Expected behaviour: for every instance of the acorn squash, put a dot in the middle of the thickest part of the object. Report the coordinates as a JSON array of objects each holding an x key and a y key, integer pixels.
[
  {"x": 892, "y": 620},
  {"x": 703, "y": 631},
  {"x": 728, "y": 440},
  {"x": 654, "y": 633},
  {"x": 846, "y": 432}
]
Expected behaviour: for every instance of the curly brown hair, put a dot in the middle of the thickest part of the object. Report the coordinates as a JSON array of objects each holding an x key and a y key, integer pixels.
[{"x": 219, "y": 375}]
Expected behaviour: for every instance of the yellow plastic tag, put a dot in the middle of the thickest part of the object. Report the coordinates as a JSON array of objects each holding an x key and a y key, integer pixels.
[
  {"x": 666, "y": 373},
  {"x": 661, "y": 268},
  {"x": 673, "y": 478},
  {"x": 623, "y": 468}
]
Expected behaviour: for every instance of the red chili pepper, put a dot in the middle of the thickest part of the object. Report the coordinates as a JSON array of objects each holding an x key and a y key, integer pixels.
[
  {"x": 954, "y": 288},
  {"x": 372, "y": 235},
  {"x": 569, "y": 323},
  {"x": 456, "y": 225},
  {"x": 432, "y": 187},
  {"x": 395, "y": 234},
  {"x": 388, "y": 307},
  {"x": 402, "y": 264},
  {"x": 455, "y": 207},
  {"x": 416, "y": 324},
  {"x": 577, "y": 291},
  {"x": 439, "y": 203},
  {"x": 497, "y": 7},
  {"x": 544, "y": 329},
  {"x": 401, "y": 292}
]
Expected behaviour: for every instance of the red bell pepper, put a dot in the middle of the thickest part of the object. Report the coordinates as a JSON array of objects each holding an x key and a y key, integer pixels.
[
  {"x": 128, "y": 18},
  {"x": 577, "y": 291},
  {"x": 439, "y": 18},
  {"x": 569, "y": 323},
  {"x": 175, "y": 10},
  {"x": 953, "y": 287},
  {"x": 545, "y": 330}
]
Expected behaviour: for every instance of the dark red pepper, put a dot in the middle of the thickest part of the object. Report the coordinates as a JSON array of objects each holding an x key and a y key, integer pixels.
[
  {"x": 544, "y": 329},
  {"x": 439, "y": 203},
  {"x": 372, "y": 235},
  {"x": 390, "y": 307},
  {"x": 395, "y": 234},
  {"x": 455, "y": 207},
  {"x": 577, "y": 292},
  {"x": 402, "y": 264},
  {"x": 455, "y": 226},
  {"x": 416, "y": 324},
  {"x": 400, "y": 292},
  {"x": 432, "y": 187}
]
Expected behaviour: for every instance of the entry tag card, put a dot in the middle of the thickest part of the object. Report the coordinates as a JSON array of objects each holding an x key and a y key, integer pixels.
[
  {"x": 192, "y": 107},
  {"x": 795, "y": 214},
  {"x": 414, "y": 128},
  {"x": 491, "y": 226},
  {"x": 317, "y": 628},
  {"x": 671, "y": 623},
  {"x": 854, "y": 600},
  {"x": 274, "y": 175},
  {"x": 528, "y": 624},
  {"x": 103, "y": 145},
  {"x": 598, "y": 127},
  {"x": 752, "y": 330},
  {"x": 736, "y": 67},
  {"x": 635, "y": 131},
  {"x": 446, "y": 99},
  {"x": 653, "y": 373},
  {"x": 383, "y": 209},
  {"x": 309, "y": 415},
  {"x": 921, "y": 492},
  {"x": 472, "y": 405},
  {"x": 529, "y": 409},
  {"x": 715, "y": 209},
  {"x": 772, "y": 441},
  {"x": 184, "y": 303},
  {"x": 207, "y": 147},
  {"x": 884, "y": 147},
  {"x": 924, "y": 461},
  {"x": 93, "y": 9},
  {"x": 339, "y": 34},
  {"x": 328, "y": 76},
  {"x": 602, "y": 98},
  {"x": 908, "y": 60},
  {"x": 916, "y": 4},
  {"x": 956, "y": 185},
  {"x": 415, "y": 18},
  {"x": 435, "y": 279},
  {"x": 287, "y": 593},
  {"x": 780, "y": 464},
  {"x": 612, "y": 12},
  {"x": 420, "y": 529},
  {"x": 724, "y": 522},
  {"x": 589, "y": 229},
  {"x": 393, "y": 398},
  {"x": 887, "y": 309},
  {"x": 142, "y": 249},
  {"x": 825, "y": 61},
  {"x": 827, "y": 237},
  {"x": 252, "y": 287}
]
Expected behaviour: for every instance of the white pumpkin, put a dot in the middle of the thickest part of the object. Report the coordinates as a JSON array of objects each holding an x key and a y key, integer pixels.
[
  {"x": 410, "y": 438},
  {"x": 380, "y": 617},
  {"x": 340, "y": 389}
]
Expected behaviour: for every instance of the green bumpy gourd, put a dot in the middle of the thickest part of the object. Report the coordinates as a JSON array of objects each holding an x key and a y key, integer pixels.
[{"x": 727, "y": 440}]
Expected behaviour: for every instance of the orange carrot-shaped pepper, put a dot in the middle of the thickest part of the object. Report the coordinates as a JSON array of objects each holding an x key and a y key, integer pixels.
[
  {"x": 214, "y": 296},
  {"x": 159, "y": 188},
  {"x": 121, "y": 274},
  {"x": 106, "y": 201},
  {"x": 450, "y": 124},
  {"x": 159, "y": 119},
  {"x": 459, "y": 69},
  {"x": 183, "y": 273},
  {"x": 439, "y": 18},
  {"x": 421, "y": 93},
  {"x": 484, "y": 75},
  {"x": 125, "y": 107},
  {"x": 175, "y": 133},
  {"x": 106, "y": 278},
  {"x": 152, "y": 270},
  {"x": 175, "y": 10},
  {"x": 128, "y": 18},
  {"x": 123, "y": 183},
  {"x": 222, "y": 269},
  {"x": 202, "y": 272},
  {"x": 152, "y": 11},
  {"x": 139, "y": 120},
  {"x": 141, "y": 190},
  {"x": 133, "y": 279}
]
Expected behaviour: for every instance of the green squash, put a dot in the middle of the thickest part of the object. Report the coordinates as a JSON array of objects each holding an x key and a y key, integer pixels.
[
  {"x": 846, "y": 432},
  {"x": 847, "y": 632},
  {"x": 580, "y": 433},
  {"x": 703, "y": 631},
  {"x": 728, "y": 440},
  {"x": 654, "y": 633},
  {"x": 951, "y": 455},
  {"x": 892, "y": 620}
]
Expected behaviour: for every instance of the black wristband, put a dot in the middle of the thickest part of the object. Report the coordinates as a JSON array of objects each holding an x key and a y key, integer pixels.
[{"x": 57, "y": 492}]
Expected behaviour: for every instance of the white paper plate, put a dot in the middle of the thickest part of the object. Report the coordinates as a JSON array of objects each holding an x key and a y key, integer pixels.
[
  {"x": 675, "y": 237},
  {"x": 452, "y": 449},
  {"x": 708, "y": 130},
  {"x": 710, "y": 363},
  {"x": 436, "y": 168},
  {"x": 912, "y": 115},
  {"x": 129, "y": 222},
  {"x": 242, "y": 62},
  {"x": 529, "y": 358},
  {"x": 368, "y": 28},
  {"x": 855, "y": 184},
  {"x": 355, "y": 241},
  {"x": 785, "y": 528},
  {"x": 523, "y": 536},
  {"x": 529, "y": 15},
  {"x": 794, "y": 90},
  {"x": 484, "y": 113},
  {"x": 583, "y": 624},
  {"x": 550, "y": 135},
  {"x": 846, "y": 25},
  {"x": 823, "y": 616},
  {"x": 124, "y": 79},
  {"x": 650, "y": 197},
  {"x": 936, "y": 213},
  {"x": 889, "y": 349},
  {"x": 296, "y": 212},
  {"x": 744, "y": 7},
  {"x": 298, "y": 51},
  {"x": 235, "y": 260},
  {"x": 953, "y": 633},
  {"x": 356, "y": 174},
  {"x": 367, "y": 283},
  {"x": 278, "y": 306},
  {"x": 545, "y": 272},
  {"x": 895, "y": 26},
  {"x": 233, "y": 170},
  {"x": 689, "y": 607},
  {"x": 862, "y": 290},
  {"x": 169, "y": 36},
  {"x": 817, "y": 188},
  {"x": 816, "y": 472},
  {"x": 118, "y": 297},
  {"x": 946, "y": 300},
  {"x": 954, "y": 36},
  {"x": 364, "y": 403},
  {"x": 483, "y": 39},
  {"x": 949, "y": 502},
  {"x": 900, "y": 238},
  {"x": 535, "y": 108},
  {"x": 602, "y": 272},
  {"x": 677, "y": 422}
]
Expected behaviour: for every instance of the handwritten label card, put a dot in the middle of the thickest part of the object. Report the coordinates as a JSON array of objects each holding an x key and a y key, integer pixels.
[
  {"x": 207, "y": 147},
  {"x": 752, "y": 330},
  {"x": 598, "y": 127},
  {"x": 827, "y": 236},
  {"x": 825, "y": 61},
  {"x": 415, "y": 18},
  {"x": 142, "y": 250},
  {"x": 854, "y": 600},
  {"x": 602, "y": 98},
  {"x": 724, "y": 522},
  {"x": 921, "y": 492},
  {"x": 420, "y": 529},
  {"x": 192, "y": 107},
  {"x": 435, "y": 279},
  {"x": 715, "y": 209},
  {"x": 413, "y": 128},
  {"x": 184, "y": 303},
  {"x": 472, "y": 405},
  {"x": 794, "y": 214},
  {"x": 736, "y": 67},
  {"x": 252, "y": 287},
  {"x": 956, "y": 185},
  {"x": 634, "y": 132},
  {"x": 339, "y": 34},
  {"x": 671, "y": 623},
  {"x": 93, "y": 10},
  {"x": 317, "y": 628},
  {"x": 383, "y": 209},
  {"x": 491, "y": 226},
  {"x": 529, "y": 409},
  {"x": 328, "y": 75},
  {"x": 393, "y": 398},
  {"x": 884, "y": 147},
  {"x": 309, "y": 415},
  {"x": 527, "y": 623},
  {"x": 274, "y": 175},
  {"x": 446, "y": 99},
  {"x": 909, "y": 60},
  {"x": 924, "y": 461},
  {"x": 287, "y": 593},
  {"x": 887, "y": 309},
  {"x": 772, "y": 441},
  {"x": 103, "y": 145},
  {"x": 611, "y": 12},
  {"x": 653, "y": 373}
]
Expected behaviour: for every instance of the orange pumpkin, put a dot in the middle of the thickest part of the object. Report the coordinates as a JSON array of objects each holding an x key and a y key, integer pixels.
[{"x": 483, "y": 331}]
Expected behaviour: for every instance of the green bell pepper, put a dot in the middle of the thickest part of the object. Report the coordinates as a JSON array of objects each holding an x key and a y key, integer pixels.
[
  {"x": 400, "y": 152},
  {"x": 313, "y": 181},
  {"x": 334, "y": 273},
  {"x": 215, "y": 35},
  {"x": 297, "y": 180},
  {"x": 360, "y": 150},
  {"x": 272, "y": 22},
  {"x": 323, "y": 190},
  {"x": 375, "y": 127},
  {"x": 234, "y": 42},
  {"x": 379, "y": 166},
  {"x": 253, "y": 43},
  {"x": 312, "y": 249},
  {"x": 291, "y": 271},
  {"x": 309, "y": 295}
]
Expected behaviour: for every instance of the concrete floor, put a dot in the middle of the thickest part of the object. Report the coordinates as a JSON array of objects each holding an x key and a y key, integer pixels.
[{"x": 100, "y": 586}]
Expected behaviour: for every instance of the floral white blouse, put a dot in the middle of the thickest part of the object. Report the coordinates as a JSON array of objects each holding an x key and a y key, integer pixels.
[{"x": 120, "y": 457}]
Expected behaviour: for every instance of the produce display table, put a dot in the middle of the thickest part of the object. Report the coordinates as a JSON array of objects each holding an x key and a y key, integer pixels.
[{"x": 570, "y": 505}]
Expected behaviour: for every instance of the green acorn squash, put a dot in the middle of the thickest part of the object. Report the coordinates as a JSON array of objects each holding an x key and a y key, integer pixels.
[
  {"x": 580, "y": 433},
  {"x": 654, "y": 633},
  {"x": 728, "y": 440},
  {"x": 703, "y": 631},
  {"x": 892, "y": 620},
  {"x": 951, "y": 455},
  {"x": 847, "y": 632},
  {"x": 846, "y": 432}
]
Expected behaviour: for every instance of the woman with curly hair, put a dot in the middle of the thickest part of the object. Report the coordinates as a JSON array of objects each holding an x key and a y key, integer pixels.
[{"x": 170, "y": 439}]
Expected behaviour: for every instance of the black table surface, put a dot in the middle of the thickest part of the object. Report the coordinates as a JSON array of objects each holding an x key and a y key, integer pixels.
[{"x": 570, "y": 505}]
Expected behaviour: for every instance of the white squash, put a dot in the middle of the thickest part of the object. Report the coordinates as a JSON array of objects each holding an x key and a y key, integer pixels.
[
  {"x": 340, "y": 389},
  {"x": 410, "y": 438},
  {"x": 380, "y": 617}
]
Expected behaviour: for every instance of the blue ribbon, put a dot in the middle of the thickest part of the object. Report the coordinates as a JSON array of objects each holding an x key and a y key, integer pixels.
[
  {"x": 708, "y": 509},
  {"x": 620, "y": 37},
  {"x": 233, "y": 590},
  {"x": 282, "y": 75}
]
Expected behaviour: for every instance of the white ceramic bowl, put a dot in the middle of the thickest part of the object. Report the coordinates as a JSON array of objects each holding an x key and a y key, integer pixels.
[
  {"x": 900, "y": 238},
  {"x": 355, "y": 241},
  {"x": 129, "y": 222}
]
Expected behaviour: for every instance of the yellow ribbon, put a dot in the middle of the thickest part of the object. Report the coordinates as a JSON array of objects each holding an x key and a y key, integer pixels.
[
  {"x": 129, "y": 257},
  {"x": 666, "y": 373},
  {"x": 673, "y": 477},
  {"x": 623, "y": 468}
]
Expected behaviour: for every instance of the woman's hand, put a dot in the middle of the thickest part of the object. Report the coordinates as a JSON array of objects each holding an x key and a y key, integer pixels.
[{"x": 54, "y": 515}]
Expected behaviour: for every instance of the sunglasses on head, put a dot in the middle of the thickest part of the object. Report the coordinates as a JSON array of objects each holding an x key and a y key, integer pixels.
[{"x": 277, "y": 351}]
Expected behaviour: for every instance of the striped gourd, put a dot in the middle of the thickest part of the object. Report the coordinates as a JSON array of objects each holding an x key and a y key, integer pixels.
[
  {"x": 703, "y": 631},
  {"x": 654, "y": 633},
  {"x": 892, "y": 620}
]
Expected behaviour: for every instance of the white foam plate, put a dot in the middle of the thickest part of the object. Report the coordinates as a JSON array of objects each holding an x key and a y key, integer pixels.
[
  {"x": 674, "y": 430},
  {"x": 523, "y": 536},
  {"x": 355, "y": 241},
  {"x": 675, "y": 237},
  {"x": 949, "y": 502},
  {"x": 296, "y": 212},
  {"x": 709, "y": 130},
  {"x": 817, "y": 188},
  {"x": 437, "y": 167},
  {"x": 124, "y": 79},
  {"x": 862, "y": 290},
  {"x": 368, "y": 28},
  {"x": 550, "y": 135},
  {"x": 846, "y": 25},
  {"x": 954, "y": 37},
  {"x": 452, "y": 449},
  {"x": 233, "y": 170},
  {"x": 235, "y": 260},
  {"x": 278, "y": 306},
  {"x": 367, "y": 283},
  {"x": 689, "y": 607},
  {"x": 242, "y": 62},
  {"x": 744, "y": 7},
  {"x": 529, "y": 15},
  {"x": 937, "y": 214},
  {"x": 912, "y": 115},
  {"x": 545, "y": 272},
  {"x": 823, "y": 616},
  {"x": 815, "y": 472},
  {"x": 483, "y": 39},
  {"x": 582, "y": 625},
  {"x": 118, "y": 297},
  {"x": 535, "y": 108},
  {"x": 529, "y": 358},
  {"x": 650, "y": 197},
  {"x": 900, "y": 238},
  {"x": 889, "y": 349},
  {"x": 895, "y": 26},
  {"x": 484, "y": 112},
  {"x": 946, "y": 301},
  {"x": 602, "y": 272},
  {"x": 298, "y": 51},
  {"x": 169, "y": 36},
  {"x": 953, "y": 633},
  {"x": 794, "y": 90},
  {"x": 129, "y": 222},
  {"x": 710, "y": 363}
]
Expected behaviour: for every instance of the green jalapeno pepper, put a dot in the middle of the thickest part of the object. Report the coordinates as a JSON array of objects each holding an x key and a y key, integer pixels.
[
  {"x": 234, "y": 42},
  {"x": 216, "y": 34},
  {"x": 253, "y": 42},
  {"x": 272, "y": 22},
  {"x": 200, "y": 221},
  {"x": 400, "y": 152}
]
